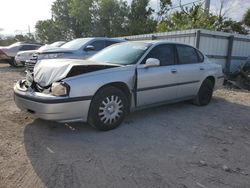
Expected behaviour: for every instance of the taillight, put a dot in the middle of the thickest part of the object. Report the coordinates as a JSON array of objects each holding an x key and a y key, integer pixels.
[{"x": 1, "y": 51}]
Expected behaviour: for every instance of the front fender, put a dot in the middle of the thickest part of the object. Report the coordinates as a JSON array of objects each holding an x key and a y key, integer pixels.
[{"x": 88, "y": 85}]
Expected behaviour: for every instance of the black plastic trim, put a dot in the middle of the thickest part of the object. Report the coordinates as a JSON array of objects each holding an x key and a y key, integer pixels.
[
  {"x": 220, "y": 77},
  {"x": 168, "y": 85}
]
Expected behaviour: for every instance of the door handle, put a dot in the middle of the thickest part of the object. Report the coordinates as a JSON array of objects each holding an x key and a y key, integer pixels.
[
  {"x": 173, "y": 71},
  {"x": 202, "y": 68}
]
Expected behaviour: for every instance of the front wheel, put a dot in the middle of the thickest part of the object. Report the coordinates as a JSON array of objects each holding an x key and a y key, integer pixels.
[
  {"x": 108, "y": 109},
  {"x": 205, "y": 93}
]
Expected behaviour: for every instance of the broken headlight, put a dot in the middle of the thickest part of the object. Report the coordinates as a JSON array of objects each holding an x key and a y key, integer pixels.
[{"x": 60, "y": 89}]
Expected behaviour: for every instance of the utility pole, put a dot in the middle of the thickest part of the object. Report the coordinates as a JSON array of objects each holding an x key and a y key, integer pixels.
[
  {"x": 29, "y": 29},
  {"x": 207, "y": 5}
]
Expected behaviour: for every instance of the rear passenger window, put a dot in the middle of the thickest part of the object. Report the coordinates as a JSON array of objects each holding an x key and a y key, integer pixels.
[
  {"x": 99, "y": 45},
  {"x": 165, "y": 53},
  {"x": 187, "y": 54},
  {"x": 28, "y": 47}
]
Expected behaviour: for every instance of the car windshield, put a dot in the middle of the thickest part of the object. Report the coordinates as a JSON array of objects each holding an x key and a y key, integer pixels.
[
  {"x": 76, "y": 44},
  {"x": 122, "y": 54},
  {"x": 15, "y": 44},
  {"x": 57, "y": 44}
]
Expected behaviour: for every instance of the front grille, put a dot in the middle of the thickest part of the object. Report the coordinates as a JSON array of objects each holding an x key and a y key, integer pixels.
[{"x": 30, "y": 64}]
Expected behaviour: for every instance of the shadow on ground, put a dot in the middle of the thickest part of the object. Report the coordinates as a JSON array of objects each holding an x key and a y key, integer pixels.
[
  {"x": 5, "y": 67},
  {"x": 158, "y": 147}
]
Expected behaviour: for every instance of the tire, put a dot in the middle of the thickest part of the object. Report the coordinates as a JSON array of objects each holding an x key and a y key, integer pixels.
[
  {"x": 13, "y": 63},
  {"x": 108, "y": 108},
  {"x": 23, "y": 63},
  {"x": 205, "y": 93}
]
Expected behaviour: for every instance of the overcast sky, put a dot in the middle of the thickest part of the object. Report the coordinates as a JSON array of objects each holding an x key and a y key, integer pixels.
[{"x": 17, "y": 15}]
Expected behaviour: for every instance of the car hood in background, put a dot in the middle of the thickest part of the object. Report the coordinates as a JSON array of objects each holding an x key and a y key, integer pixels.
[
  {"x": 52, "y": 70},
  {"x": 26, "y": 52},
  {"x": 54, "y": 50}
]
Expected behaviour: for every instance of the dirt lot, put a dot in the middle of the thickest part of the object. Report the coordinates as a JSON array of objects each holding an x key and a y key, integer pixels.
[{"x": 178, "y": 145}]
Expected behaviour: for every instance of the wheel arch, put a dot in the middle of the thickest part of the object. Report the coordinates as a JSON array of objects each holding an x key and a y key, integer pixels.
[
  {"x": 211, "y": 78},
  {"x": 121, "y": 86}
]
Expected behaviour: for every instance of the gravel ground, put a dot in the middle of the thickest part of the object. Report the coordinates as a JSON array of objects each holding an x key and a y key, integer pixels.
[{"x": 177, "y": 146}]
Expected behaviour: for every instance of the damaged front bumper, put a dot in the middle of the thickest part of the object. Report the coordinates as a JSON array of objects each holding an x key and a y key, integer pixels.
[{"x": 49, "y": 107}]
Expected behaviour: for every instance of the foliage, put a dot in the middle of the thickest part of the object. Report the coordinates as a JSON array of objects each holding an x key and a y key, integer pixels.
[
  {"x": 140, "y": 18},
  {"x": 5, "y": 41},
  {"x": 197, "y": 18},
  {"x": 165, "y": 5},
  {"x": 47, "y": 31},
  {"x": 111, "y": 18},
  {"x": 189, "y": 18},
  {"x": 246, "y": 18},
  {"x": 80, "y": 15}
]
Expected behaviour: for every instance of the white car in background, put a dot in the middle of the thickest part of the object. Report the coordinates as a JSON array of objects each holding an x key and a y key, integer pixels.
[
  {"x": 8, "y": 53},
  {"x": 23, "y": 56}
]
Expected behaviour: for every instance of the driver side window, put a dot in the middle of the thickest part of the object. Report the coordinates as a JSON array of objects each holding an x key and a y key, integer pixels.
[
  {"x": 98, "y": 45},
  {"x": 164, "y": 53}
]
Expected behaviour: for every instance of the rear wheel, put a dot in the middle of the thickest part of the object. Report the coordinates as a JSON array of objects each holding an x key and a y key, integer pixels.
[
  {"x": 13, "y": 63},
  {"x": 205, "y": 93},
  {"x": 108, "y": 109}
]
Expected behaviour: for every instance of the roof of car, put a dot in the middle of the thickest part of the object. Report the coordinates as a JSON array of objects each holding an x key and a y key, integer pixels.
[
  {"x": 159, "y": 42},
  {"x": 103, "y": 38}
]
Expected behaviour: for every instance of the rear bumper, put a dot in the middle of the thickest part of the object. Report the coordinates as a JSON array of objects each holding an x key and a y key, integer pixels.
[
  {"x": 4, "y": 57},
  {"x": 61, "y": 109}
]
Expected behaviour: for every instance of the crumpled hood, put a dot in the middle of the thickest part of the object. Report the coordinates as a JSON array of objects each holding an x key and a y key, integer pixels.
[{"x": 51, "y": 70}]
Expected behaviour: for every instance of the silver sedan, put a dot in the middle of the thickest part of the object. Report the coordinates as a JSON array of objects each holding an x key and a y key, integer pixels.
[{"x": 121, "y": 78}]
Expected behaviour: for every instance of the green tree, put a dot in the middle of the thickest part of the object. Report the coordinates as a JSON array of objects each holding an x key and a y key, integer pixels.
[
  {"x": 47, "y": 31},
  {"x": 112, "y": 16},
  {"x": 189, "y": 18},
  {"x": 141, "y": 18},
  {"x": 61, "y": 17},
  {"x": 197, "y": 18},
  {"x": 165, "y": 6},
  {"x": 232, "y": 26},
  {"x": 81, "y": 14},
  {"x": 25, "y": 38},
  {"x": 246, "y": 18}
]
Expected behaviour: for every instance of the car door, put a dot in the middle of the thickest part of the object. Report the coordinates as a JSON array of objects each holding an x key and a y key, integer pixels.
[
  {"x": 155, "y": 84},
  {"x": 191, "y": 70}
]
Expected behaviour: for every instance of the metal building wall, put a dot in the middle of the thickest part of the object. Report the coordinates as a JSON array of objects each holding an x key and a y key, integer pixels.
[{"x": 226, "y": 49}]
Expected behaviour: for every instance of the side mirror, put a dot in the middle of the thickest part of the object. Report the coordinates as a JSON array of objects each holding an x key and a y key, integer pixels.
[
  {"x": 152, "y": 62},
  {"x": 89, "y": 48}
]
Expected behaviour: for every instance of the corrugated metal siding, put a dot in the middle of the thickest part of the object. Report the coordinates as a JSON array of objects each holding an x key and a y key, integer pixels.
[
  {"x": 241, "y": 48},
  {"x": 212, "y": 43},
  {"x": 187, "y": 36},
  {"x": 213, "y": 46}
]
